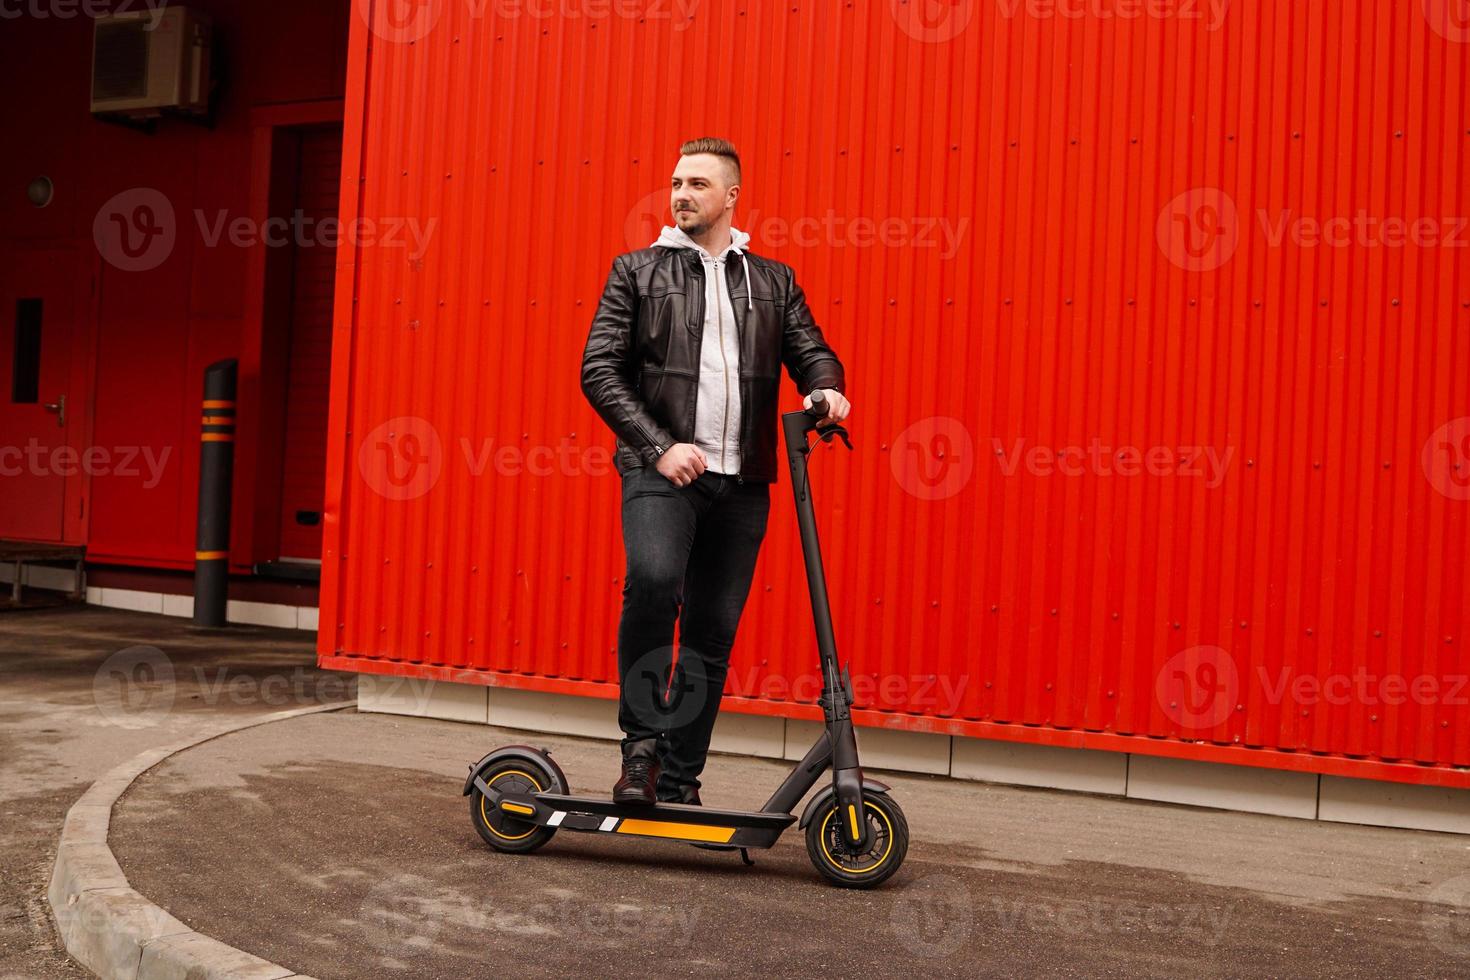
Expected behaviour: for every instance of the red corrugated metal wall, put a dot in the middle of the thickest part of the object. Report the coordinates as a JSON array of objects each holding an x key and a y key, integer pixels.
[{"x": 1157, "y": 325}]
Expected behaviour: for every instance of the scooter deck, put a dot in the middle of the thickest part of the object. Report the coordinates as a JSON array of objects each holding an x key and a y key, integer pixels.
[{"x": 674, "y": 821}]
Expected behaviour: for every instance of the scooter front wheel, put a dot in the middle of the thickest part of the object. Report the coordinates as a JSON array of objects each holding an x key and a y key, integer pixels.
[
  {"x": 842, "y": 866},
  {"x": 499, "y": 829}
]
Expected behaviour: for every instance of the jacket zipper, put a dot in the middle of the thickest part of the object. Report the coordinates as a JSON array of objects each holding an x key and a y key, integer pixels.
[
  {"x": 724, "y": 364},
  {"x": 699, "y": 321},
  {"x": 739, "y": 362}
]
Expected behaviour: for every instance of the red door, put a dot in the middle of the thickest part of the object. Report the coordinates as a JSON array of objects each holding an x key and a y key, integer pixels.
[
  {"x": 38, "y": 307},
  {"x": 303, "y": 469}
]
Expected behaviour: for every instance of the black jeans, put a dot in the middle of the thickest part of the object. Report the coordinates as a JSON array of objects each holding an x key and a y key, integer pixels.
[{"x": 691, "y": 554}]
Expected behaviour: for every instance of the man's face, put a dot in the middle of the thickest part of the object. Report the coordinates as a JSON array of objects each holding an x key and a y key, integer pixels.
[{"x": 701, "y": 192}]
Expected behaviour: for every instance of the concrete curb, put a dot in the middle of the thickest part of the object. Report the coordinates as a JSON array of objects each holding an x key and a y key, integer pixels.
[{"x": 111, "y": 929}]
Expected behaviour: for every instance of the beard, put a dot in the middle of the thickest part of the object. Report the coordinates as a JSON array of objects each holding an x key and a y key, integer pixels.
[{"x": 690, "y": 222}]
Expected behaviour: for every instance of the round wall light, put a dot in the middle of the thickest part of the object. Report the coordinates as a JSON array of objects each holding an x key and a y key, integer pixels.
[{"x": 40, "y": 191}]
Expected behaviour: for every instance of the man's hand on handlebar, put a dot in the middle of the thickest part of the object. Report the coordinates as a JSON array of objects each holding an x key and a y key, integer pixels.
[
  {"x": 681, "y": 463},
  {"x": 838, "y": 407}
]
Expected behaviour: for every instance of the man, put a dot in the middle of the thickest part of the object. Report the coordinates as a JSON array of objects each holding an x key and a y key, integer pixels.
[{"x": 683, "y": 362}]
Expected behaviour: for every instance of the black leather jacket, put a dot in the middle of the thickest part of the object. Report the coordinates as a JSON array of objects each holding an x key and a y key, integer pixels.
[{"x": 640, "y": 369}]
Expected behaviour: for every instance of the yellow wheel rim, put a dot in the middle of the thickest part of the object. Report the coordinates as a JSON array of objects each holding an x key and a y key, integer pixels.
[
  {"x": 836, "y": 863},
  {"x": 485, "y": 817}
]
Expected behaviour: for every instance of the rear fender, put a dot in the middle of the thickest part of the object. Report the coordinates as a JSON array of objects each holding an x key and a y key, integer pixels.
[{"x": 525, "y": 753}]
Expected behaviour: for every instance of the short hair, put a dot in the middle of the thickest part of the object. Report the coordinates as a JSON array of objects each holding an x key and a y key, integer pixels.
[{"x": 718, "y": 147}]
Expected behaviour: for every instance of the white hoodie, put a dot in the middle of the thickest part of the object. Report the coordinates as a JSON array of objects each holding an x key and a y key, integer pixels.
[{"x": 717, "y": 410}]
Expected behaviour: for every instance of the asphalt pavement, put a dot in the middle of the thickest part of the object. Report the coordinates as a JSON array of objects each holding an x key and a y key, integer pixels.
[{"x": 339, "y": 845}]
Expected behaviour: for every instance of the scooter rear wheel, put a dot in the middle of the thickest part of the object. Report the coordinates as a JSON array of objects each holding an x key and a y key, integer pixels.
[
  {"x": 499, "y": 829},
  {"x": 842, "y": 866}
]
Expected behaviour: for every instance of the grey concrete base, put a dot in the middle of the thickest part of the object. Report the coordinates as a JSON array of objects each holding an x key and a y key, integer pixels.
[
  {"x": 1245, "y": 788},
  {"x": 1020, "y": 764},
  {"x": 111, "y": 929},
  {"x": 1249, "y": 789},
  {"x": 1394, "y": 805},
  {"x": 236, "y": 610}
]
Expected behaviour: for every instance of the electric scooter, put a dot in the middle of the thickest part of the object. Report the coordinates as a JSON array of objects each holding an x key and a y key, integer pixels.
[{"x": 856, "y": 835}]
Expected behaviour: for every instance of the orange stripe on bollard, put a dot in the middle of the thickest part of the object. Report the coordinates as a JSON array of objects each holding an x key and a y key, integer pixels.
[{"x": 210, "y": 555}]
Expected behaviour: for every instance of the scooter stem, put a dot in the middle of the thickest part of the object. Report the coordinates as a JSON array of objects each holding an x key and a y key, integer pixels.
[{"x": 836, "y": 697}]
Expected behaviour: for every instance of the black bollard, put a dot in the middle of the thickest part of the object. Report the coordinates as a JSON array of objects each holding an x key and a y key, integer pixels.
[{"x": 216, "y": 469}]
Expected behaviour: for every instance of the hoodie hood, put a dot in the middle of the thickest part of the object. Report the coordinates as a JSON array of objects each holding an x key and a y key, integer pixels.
[{"x": 674, "y": 237}]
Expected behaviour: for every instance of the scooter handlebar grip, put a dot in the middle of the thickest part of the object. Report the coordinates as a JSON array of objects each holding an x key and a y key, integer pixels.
[{"x": 819, "y": 405}]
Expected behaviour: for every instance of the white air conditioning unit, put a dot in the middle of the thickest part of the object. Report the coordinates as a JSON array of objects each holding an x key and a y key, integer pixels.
[{"x": 151, "y": 60}]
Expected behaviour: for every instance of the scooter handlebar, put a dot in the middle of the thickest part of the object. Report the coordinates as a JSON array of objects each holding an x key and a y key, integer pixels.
[{"x": 799, "y": 424}]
